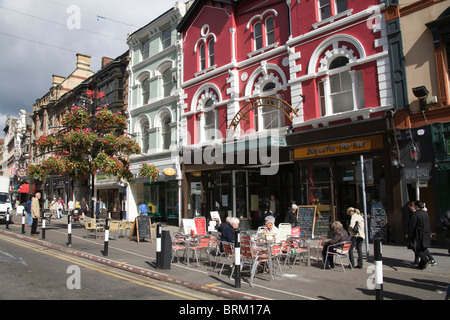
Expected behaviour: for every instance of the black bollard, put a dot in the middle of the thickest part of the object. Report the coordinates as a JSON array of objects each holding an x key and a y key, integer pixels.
[
  {"x": 237, "y": 258},
  {"x": 378, "y": 269},
  {"x": 166, "y": 250},
  {"x": 7, "y": 218},
  {"x": 43, "y": 225},
  {"x": 106, "y": 243},
  {"x": 158, "y": 247},
  {"x": 23, "y": 221},
  {"x": 69, "y": 230}
]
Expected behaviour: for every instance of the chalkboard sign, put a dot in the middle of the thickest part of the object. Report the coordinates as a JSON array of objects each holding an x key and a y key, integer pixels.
[
  {"x": 141, "y": 228},
  {"x": 378, "y": 221},
  {"x": 306, "y": 219}
]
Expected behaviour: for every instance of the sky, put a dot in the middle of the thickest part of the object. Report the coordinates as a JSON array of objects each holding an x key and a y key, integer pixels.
[{"x": 40, "y": 38}]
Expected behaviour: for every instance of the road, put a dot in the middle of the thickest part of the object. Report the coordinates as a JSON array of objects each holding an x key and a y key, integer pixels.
[{"x": 29, "y": 271}]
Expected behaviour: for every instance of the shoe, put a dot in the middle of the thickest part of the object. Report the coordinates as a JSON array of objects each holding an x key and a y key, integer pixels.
[
  {"x": 433, "y": 262},
  {"x": 359, "y": 266},
  {"x": 423, "y": 266}
]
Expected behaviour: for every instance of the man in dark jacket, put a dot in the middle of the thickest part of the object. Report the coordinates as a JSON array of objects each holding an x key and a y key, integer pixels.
[{"x": 419, "y": 235}]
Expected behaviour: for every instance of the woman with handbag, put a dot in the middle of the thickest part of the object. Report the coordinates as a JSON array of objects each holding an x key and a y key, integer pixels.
[{"x": 357, "y": 235}]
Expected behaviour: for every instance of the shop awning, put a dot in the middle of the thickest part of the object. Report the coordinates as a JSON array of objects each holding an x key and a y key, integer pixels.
[{"x": 25, "y": 188}]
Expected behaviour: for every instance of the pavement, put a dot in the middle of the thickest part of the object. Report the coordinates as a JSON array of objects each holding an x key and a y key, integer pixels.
[{"x": 401, "y": 280}]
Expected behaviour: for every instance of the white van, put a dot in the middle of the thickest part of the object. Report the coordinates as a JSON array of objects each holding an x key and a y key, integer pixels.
[{"x": 5, "y": 199}]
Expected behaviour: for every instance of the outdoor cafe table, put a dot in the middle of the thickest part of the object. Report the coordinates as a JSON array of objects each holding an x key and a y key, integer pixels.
[{"x": 266, "y": 243}]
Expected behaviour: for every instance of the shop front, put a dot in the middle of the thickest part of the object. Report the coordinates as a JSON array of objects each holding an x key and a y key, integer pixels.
[
  {"x": 239, "y": 188},
  {"x": 329, "y": 165},
  {"x": 161, "y": 197},
  {"x": 110, "y": 195}
]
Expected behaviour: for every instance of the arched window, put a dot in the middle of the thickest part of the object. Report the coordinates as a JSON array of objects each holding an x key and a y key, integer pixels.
[
  {"x": 202, "y": 57},
  {"x": 257, "y": 35},
  {"x": 211, "y": 52},
  {"x": 166, "y": 132},
  {"x": 167, "y": 83},
  {"x": 143, "y": 132},
  {"x": 207, "y": 122},
  {"x": 270, "y": 33},
  {"x": 263, "y": 33},
  {"x": 343, "y": 89},
  {"x": 266, "y": 116},
  {"x": 145, "y": 91},
  {"x": 210, "y": 121}
]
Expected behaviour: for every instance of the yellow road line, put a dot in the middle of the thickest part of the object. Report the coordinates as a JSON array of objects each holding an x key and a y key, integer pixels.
[{"x": 128, "y": 277}]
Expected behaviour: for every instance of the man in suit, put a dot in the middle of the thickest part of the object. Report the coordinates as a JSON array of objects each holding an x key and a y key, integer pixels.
[
  {"x": 35, "y": 213},
  {"x": 419, "y": 235}
]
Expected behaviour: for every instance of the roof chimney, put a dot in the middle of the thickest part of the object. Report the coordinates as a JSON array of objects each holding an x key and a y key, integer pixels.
[{"x": 83, "y": 61}]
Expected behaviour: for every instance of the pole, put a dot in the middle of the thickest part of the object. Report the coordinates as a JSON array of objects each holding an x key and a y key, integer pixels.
[
  {"x": 23, "y": 221},
  {"x": 237, "y": 258},
  {"x": 378, "y": 269},
  {"x": 7, "y": 218},
  {"x": 69, "y": 230},
  {"x": 363, "y": 187},
  {"x": 158, "y": 246},
  {"x": 105, "y": 245},
  {"x": 43, "y": 225}
]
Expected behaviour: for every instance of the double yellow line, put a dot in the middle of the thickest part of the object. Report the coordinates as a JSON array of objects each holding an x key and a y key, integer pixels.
[{"x": 136, "y": 279}]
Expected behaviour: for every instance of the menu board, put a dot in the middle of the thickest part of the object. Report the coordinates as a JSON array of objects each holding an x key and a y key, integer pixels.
[
  {"x": 322, "y": 226},
  {"x": 378, "y": 221},
  {"x": 306, "y": 218},
  {"x": 200, "y": 226},
  {"x": 141, "y": 228}
]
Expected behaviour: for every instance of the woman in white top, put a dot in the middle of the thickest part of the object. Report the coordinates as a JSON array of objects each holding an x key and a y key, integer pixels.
[
  {"x": 270, "y": 227},
  {"x": 356, "y": 229}
]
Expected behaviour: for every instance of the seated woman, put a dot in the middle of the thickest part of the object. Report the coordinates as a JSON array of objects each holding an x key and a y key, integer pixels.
[
  {"x": 340, "y": 235},
  {"x": 270, "y": 227}
]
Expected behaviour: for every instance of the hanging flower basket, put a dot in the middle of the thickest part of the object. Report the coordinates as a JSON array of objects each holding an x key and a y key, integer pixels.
[{"x": 149, "y": 171}]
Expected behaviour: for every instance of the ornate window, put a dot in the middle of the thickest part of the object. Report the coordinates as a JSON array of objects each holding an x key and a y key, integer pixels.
[
  {"x": 263, "y": 26},
  {"x": 342, "y": 90},
  {"x": 142, "y": 131},
  {"x": 268, "y": 117},
  {"x": 166, "y": 132},
  {"x": 167, "y": 82},
  {"x": 205, "y": 48}
]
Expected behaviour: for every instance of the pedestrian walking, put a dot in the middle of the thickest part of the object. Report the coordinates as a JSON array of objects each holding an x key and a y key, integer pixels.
[
  {"x": 61, "y": 207},
  {"x": 291, "y": 216},
  {"x": 419, "y": 235},
  {"x": 35, "y": 213},
  {"x": 28, "y": 211},
  {"x": 84, "y": 207},
  {"x": 357, "y": 236}
]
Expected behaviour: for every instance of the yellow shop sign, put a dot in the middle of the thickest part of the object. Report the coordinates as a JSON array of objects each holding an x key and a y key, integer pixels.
[
  {"x": 339, "y": 147},
  {"x": 169, "y": 171}
]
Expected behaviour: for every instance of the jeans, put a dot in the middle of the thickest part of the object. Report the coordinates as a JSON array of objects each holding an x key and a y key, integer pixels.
[{"x": 356, "y": 242}]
